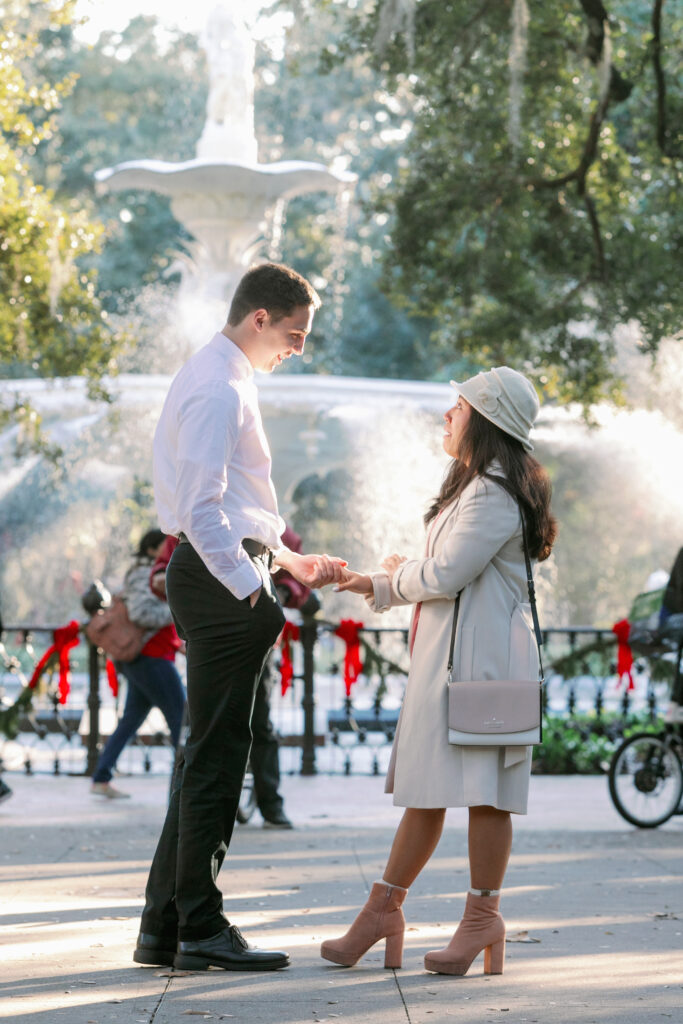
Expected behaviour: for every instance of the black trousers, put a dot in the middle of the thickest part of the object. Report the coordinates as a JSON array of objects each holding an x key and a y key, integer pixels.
[{"x": 227, "y": 644}]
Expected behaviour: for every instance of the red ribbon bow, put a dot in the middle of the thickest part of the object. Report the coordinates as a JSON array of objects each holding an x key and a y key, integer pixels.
[
  {"x": 290, "y": 632},
  {"x": 622, "y": 630},
  {"x": 63, "y": 639},
  {"x": 112, "y": 677},
  {"x": 348, "y": 631}
]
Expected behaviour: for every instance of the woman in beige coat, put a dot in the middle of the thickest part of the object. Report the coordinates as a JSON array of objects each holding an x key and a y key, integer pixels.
[{"x": 474, "y": 548}]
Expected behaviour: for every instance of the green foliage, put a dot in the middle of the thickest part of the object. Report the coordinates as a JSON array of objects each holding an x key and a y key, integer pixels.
[
  {"x": 529, "y": 245},
  {"x": 584, "y": 744},
  {"x": 51, "y": 320},
  {"x": 341, "y": 116}
]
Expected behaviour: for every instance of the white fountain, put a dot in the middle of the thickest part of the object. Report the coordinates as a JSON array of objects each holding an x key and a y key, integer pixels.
[{"x": 224, "y": 196}]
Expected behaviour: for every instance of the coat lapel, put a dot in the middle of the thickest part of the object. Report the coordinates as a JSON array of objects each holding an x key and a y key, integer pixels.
[{"x": 445, "y": 517}]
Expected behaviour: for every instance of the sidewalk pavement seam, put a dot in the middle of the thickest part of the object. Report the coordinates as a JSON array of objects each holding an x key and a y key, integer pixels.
[
  {"x": 160, "y": 1000},
  {"x": 400, "y": 992}
]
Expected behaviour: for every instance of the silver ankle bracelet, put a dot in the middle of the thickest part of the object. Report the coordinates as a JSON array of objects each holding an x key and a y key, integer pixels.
[{"x": 484, "y": 892}]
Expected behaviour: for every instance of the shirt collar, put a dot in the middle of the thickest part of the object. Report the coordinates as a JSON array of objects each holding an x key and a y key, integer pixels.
[{"x": 239, "y": 364}]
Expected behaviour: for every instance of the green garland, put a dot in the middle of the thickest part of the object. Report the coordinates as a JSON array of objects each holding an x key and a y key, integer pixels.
[
  {"x": 597, "y": 659},
  {"x": 11, "y": 714}
]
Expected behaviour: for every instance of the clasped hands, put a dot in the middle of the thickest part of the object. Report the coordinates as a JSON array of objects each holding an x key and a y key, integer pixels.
[
  {"x": 361, "y": 583},
  {"x": 317, "y": 571}
]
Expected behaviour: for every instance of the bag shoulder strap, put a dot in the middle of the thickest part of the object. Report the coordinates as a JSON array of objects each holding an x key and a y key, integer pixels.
[
  {"x": 456, "y": 609},
  {"x": 530, "y": 587}
]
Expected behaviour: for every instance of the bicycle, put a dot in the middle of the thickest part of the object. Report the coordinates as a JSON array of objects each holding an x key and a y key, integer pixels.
[
  {"x": 646, "y": 771},
  {"x": 646, "y": 777}
]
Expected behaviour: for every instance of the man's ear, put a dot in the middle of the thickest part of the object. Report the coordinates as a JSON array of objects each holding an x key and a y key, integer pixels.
[{"x": 260, "y": 318}]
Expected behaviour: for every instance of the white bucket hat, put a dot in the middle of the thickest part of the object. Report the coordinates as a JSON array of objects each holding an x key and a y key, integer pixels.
[{"x": 506, "y": 398}]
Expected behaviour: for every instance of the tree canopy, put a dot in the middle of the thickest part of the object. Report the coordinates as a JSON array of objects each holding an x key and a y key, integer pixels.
[
  {"x": 536, "y": 209},
  {"x": 51, "y": 321}
]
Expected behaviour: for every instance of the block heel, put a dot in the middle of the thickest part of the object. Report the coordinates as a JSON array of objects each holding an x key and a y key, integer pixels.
[
  {"x": 393, "y": 951},
  {"x": 494, "y": 957}
]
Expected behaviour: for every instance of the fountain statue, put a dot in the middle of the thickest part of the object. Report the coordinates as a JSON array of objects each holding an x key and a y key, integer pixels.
[
  {"x": 229, "y": 130},
  {"x": 224, "y": 195}
]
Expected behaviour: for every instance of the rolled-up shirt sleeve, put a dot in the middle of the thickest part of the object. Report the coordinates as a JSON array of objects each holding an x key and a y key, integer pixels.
[
  {"x": 209, "y": 424},
  {"x": 383, "y": 597}
]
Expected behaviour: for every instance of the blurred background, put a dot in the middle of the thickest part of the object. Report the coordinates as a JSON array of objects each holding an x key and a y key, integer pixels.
[{"x": 501, "y": 188}]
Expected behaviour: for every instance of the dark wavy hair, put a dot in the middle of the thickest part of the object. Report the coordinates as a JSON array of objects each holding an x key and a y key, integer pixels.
[{"x": 524, "y": 478}]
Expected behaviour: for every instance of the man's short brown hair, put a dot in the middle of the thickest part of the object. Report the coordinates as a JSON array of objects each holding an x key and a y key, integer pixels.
[{"x": 274, "y": 287}]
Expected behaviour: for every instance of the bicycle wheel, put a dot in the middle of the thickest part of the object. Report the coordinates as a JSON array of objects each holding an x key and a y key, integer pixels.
[
  {"x": 646, "y": 780},
  {"x": 247, "y": 804}
]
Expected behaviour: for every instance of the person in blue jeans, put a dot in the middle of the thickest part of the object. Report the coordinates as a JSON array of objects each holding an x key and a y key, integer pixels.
[{"x": 153, "y": 680}]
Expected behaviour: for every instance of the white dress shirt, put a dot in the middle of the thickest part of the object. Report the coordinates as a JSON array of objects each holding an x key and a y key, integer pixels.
[{"x": 212, "y": 464}]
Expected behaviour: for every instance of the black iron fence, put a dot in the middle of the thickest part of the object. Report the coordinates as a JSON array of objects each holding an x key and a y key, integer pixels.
[{"x": 325, "y": 718}]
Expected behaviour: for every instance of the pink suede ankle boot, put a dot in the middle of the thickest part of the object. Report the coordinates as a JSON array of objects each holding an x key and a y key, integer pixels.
[
  {"x": 482, "y": 927},
  {"x": 380, "y": 918}
]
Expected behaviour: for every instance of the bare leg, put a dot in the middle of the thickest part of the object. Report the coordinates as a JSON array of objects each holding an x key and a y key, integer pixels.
[
  {"x": 416, "y": 839},
  {"x": 490, "y": 842}
]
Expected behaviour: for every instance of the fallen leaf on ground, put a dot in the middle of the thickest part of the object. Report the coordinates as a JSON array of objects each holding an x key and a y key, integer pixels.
[{"x": 521, "y": 937}]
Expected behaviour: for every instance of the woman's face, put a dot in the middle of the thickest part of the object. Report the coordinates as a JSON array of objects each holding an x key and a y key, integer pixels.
[{"x": 456, "y": 419}]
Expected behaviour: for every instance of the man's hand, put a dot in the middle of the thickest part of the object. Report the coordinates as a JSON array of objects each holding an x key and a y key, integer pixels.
[
  {"x": 313, "y": 571},
  {"x": 356, "y": 582}
]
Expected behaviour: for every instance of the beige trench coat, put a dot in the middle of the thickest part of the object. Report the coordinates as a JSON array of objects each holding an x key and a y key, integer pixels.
[{"x": 474, "y": 547}]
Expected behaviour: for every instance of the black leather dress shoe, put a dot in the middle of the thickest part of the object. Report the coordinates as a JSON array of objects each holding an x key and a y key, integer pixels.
[
  {"x": 277, "y": 819},
  {"x": 154, "y": 950},
  {"x": 229, "y": 950}
]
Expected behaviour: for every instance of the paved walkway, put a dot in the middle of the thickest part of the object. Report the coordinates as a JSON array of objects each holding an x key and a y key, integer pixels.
[{"x": 594, "y": 911}]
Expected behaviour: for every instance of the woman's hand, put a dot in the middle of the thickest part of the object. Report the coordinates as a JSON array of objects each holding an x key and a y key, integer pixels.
[
  {"x": 356, "y": 582},
  {"x": 391, "y": 564}
]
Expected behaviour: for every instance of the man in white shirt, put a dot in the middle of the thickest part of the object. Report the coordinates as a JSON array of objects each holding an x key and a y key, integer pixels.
[{"x": 213, "y": 490}]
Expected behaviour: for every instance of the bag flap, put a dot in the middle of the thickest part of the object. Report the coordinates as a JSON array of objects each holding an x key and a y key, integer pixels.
[{"x": 494, "y": 705}]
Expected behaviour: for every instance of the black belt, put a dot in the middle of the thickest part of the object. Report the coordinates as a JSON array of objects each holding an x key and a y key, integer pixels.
[{"x": 252, "y": 547}]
